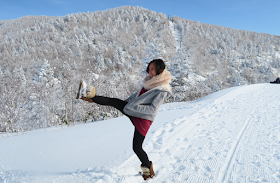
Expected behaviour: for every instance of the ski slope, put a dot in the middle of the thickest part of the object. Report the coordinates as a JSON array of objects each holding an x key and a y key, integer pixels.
[
  {"x": 229, "y": 136},
  {"x": 177, "y": 35}
]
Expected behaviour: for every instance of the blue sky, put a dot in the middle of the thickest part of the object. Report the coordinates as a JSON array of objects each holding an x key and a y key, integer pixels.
[{"x": 253, "y": 15}]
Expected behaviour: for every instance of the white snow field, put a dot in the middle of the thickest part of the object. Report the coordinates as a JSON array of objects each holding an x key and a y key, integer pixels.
[{"x": 229, "y": 136}]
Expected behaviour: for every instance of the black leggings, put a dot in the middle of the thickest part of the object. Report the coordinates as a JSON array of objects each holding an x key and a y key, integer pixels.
[{"x": 138, "y": 138}]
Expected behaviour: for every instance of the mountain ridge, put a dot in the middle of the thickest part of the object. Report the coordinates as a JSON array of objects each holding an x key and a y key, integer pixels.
[{"x": 43, "y": 58}]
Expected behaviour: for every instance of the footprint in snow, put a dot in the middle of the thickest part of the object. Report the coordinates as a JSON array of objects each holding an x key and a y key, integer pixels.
[
  {"x": 183, "y": 177},
  {"x": 183, "y": 139},
  {"x": 276, "y": 176},
  {"x": 168, "y": 126},
  {"x": 258, "y": 164},
  {"x": 181, "y": 168},
  {"x": 157, "y": 146},
  {"x": 178, "y": 159},
  {"x": 262, "y": 180},
  {"x": 205, "y": 158},
  {"x": 158, "y": 133},
  {"x": 207, "y": 168},
  {"x": 276, "y": 157},
  {"x": 167, "y": 153},
  {"x": 195, "y": 168}
]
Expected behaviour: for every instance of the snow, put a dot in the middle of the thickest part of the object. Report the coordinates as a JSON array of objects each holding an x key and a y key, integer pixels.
[
  {"x": 95, "y": 76},
  {"x": 177, "y": 35},
  {"x": 229, "y": 136}
]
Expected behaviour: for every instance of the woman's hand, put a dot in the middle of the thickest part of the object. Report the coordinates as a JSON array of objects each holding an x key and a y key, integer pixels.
[{"x": 87, "y": 99}]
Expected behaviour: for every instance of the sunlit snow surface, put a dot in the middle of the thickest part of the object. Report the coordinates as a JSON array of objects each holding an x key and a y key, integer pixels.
[{"x": 229, "y": 136}]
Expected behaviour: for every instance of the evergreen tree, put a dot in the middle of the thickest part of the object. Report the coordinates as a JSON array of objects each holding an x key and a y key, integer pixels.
[
  {"x": 179, "y": 67},
  {"x": 100, "y": 62},
  {"x": 108, "y": 62},
  {"x": 46, "y": 75},
  {"x": 154, "y": 50},
  {"x": 18, "y": 74}
]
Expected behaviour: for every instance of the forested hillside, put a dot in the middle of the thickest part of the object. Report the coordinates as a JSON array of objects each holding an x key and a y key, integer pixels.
[{"x": 43, "y": 59}]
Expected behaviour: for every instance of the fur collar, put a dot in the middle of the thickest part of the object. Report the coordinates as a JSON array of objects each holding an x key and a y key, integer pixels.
[{"x": 160, "y": 81}]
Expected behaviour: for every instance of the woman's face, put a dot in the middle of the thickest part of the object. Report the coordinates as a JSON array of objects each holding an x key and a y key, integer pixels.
[{"x": 152, "y": 69}]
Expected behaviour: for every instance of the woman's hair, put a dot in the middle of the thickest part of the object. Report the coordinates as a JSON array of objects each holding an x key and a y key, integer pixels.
[{"x": 159, "y": 64}]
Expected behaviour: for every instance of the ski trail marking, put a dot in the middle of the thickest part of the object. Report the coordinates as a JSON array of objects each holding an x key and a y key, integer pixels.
[{"x": 224, "y": 170}]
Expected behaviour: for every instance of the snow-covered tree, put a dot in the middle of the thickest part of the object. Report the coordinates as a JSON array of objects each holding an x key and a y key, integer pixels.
[
  {"x": 238, "y": 80},
  {"x": 46, "y": 75},
  {"x": 154, "y": 50},
  {"x": 18, "y": 74},
  {"x": 100, "y": 62},
  {"x": 179, "y": 67},
  {"x": 108, "y": 62},
  {"x": 127, "y": 38}
]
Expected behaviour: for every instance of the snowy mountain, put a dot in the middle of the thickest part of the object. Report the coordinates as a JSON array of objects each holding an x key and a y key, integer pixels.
[
  {"x": 43, "y": 59},
  {"x": 229, "y": 136}
]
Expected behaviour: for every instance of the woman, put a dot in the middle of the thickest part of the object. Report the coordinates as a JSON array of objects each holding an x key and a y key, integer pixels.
[{"x": 141, "y": 107}]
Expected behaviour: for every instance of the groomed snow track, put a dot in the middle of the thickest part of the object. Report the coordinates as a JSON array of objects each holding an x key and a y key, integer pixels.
[
  {"x": 234, "y": 138},
  {"x": 229, "y": 136}
]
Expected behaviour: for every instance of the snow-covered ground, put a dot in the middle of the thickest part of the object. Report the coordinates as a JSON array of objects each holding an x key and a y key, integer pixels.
[{"x": 229, "y": 136}]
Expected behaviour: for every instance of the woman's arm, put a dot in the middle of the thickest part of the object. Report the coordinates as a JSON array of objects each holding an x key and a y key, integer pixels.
[
  {"x": 139, "y": 109},
  {"x": 132, "y": 97}
]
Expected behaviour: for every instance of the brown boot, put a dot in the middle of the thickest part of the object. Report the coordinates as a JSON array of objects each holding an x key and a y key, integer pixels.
[
  {"x": 148, "y": 172},
  {"x": 85, "y": 90},
  {"x": 91, "y": 92}
]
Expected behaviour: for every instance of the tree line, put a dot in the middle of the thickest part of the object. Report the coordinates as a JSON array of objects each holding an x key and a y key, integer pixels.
[{"x": 44, "y": 58}]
